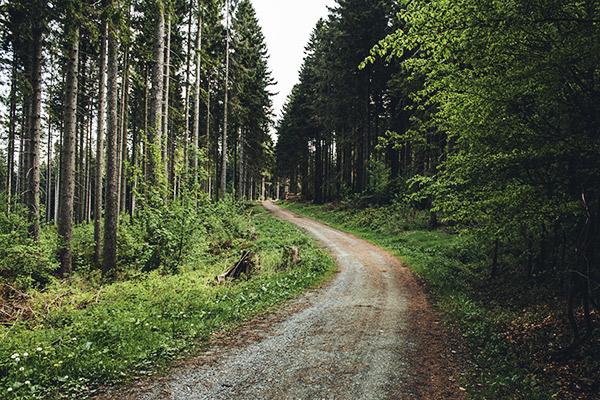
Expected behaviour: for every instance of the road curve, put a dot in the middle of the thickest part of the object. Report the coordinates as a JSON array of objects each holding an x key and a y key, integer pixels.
[{"x": 369, "y": 334}]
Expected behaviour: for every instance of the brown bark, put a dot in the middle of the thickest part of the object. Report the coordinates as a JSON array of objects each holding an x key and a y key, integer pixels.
[
  {"x": 109, "y": 256},
  {"x": 244, "y": 266},
  {"x": 123, "y": 134},
  {"x": 240, "y": 190},
  {"x": 165, "y": 111},
  {"x": 32, "y": 180},
  {"x": 188, "y": 85},
  {"x": 11, "y": 133},
  {"x": 207, "y": 144},
  {"x": 67, "y": 158},
  {"x": 196, "y": 131},
  {"x": 156, "y": 96},
  {"x": 49, "y": 172},
  {"x": 23, "y": 149},
  {"x": 224, "y": 141},
  {"x": 88, "y": 168},
  {"x": 100, "y": 150},
  {"x": 80, "y": 149}
]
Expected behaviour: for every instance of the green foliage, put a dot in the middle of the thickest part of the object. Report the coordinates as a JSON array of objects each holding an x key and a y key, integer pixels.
[
  {"x": 511, "y": 87},
  {"x": 394, "y": 218},
  {"x": 111, "y": 333},
  {"x": 451, "y": 267},
  {"x": 23, "y": 263},
  {"x": 379, "y": 181},
  {"x": 165, "y": 230}
]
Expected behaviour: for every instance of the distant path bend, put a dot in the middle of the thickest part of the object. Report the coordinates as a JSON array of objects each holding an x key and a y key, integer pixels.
[{"x": 370, "y": 334}]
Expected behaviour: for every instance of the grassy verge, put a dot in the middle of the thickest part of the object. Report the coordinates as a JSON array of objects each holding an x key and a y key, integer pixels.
[
  {"x": 509, "y": 327},
  {"x": 81, "y": 335}
]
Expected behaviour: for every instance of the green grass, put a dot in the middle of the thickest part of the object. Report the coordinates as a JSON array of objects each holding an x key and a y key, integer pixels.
[
  {"x": 81, "y": 335},
  {"x": 455, "y": 272}
]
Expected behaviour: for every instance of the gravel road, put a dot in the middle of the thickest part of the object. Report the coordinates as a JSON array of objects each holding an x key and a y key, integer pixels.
[{"x": 369, "y": 334}]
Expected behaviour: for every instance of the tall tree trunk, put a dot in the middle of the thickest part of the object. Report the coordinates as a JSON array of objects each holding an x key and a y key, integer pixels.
[
  {"x": 11, "y": 133},
  {"x": 49, "y": 173},
  {"x": 58, "y": 175},
  {"x": 196, "y": 131},
  {"x": 122, "y": 170},
  {"x": 224, "y": 141},
  {"x": 145, "y": 154},
  {"x": 121, "y": 123},
  {"x": 135, "y": 156},
  {"x": 156, "y": 101},
  {"x": 33, "y": 168},
  {"x": 23, "y": 149},
  {"x": 111, "y": 215},
  {"x": 88, "y": 168},
  {"x": 241, "y": 170},
  {"x": 165, "y": 112},
  {"x": 100, "y": 150},
  {"x": 80, "y": 150},
  {"x": 124, "y": 155},
  {"x": 207, "y": 143},
  {"x": 186, "y": 111},
  {"x": 21, "y": 164},
  {"x": 67, "y": 158}
]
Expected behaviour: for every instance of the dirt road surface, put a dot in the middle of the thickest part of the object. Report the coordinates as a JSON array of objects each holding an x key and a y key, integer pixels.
[{"x": 369, "y": 334}]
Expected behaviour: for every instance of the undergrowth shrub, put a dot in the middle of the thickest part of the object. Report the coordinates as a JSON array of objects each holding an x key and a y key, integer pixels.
[
  {"x": 23, "y": 263},
  {"x": 92, "y": 336},
  {"x": 83, "y": 245}
]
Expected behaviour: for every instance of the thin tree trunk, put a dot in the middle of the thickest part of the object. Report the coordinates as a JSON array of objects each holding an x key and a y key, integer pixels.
[
  {"x": 186, "y": 133},
  {"x": 124, "y": 155},
  {"x": 207, "y": 144},
  {"x": 224, "y": 142},
  {"x": 58, "y": 175},
  {"x": 100, "y": 150},
  {"x": 196, "y": 131},
  {"x": 80, "y": 150},
  {"x": 121, "y": 124},
  {"x": 33, "y": 174},
  {"x": 49, "y": 173},
  {"x": 67, "y": 158},
  {"x": 111, "y": 216},
  {"x": 11, "y": 133},
  {"x": 165, "y": 112},
  {"x": 22, "y": 151},
  {"x": 144, "y": 142},
  {"x": 122, "y": 170},
  {"x": 250, "y": 188},
  {"x": 135, "y": 156},
  {"x": 156, "y": 102},
  {"x": 88, "y": 200},
  {"x": 241, "y": 167}
]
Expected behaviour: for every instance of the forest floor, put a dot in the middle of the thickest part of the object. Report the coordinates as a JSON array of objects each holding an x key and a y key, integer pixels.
[{"x": 370, "y": 333}]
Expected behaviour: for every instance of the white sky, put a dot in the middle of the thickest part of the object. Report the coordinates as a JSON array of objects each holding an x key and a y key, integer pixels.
[{"x": 287, "y": 25}]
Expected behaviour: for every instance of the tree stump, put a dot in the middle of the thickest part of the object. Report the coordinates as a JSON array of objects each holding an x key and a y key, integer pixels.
[
  {"x": 245, "y": 266},
  {"x": 291, "y": 256}
]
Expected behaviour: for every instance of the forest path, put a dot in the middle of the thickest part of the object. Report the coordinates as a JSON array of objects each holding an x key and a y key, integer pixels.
[{"x": 369, "y": 334}]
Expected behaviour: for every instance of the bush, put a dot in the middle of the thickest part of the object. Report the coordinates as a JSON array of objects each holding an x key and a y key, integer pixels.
[{"x": 23, "y": 263}]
